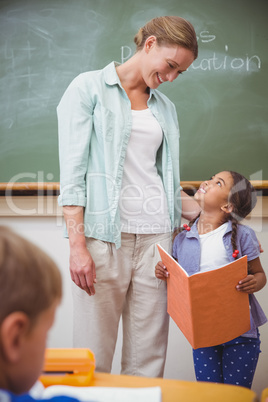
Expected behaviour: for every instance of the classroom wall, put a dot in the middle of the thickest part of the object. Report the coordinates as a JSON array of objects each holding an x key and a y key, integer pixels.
[{"x": 39, "y": 220}]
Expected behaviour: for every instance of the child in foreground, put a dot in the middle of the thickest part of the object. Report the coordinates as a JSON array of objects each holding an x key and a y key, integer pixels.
[
  {"x": 30, "y": 291},
  {"x": 210, "y": 241}
]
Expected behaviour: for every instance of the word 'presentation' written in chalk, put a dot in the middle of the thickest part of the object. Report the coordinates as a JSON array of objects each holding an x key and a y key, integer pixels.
[{"x": 206, "y": 306}]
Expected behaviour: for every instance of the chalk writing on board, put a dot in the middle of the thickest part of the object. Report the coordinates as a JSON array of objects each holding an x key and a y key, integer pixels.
[{"x": 214, "y": 61}]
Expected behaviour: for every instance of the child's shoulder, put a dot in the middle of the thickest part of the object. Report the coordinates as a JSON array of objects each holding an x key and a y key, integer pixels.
[
  {"x": 247, "y": 241},
  {"x": 184, "y": 235},
  {"x": 245, "y": 230},
  {"x": 179, "y": 235}
]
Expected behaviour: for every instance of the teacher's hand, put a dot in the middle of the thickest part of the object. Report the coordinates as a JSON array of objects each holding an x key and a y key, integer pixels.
[{"x": 82, "y": 269}]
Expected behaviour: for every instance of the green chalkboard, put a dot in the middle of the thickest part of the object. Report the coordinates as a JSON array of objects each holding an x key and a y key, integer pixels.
[{"x": 221, "y": 100}]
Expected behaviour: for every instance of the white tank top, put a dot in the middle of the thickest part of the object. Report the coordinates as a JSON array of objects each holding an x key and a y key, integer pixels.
[
  {"x": 213, "y": 253},
  {"x": 143, "y": 202}
]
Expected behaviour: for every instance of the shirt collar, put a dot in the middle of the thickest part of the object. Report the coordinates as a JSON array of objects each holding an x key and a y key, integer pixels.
[
  {"x": 229, "y": 227},
  {"x": 110, "y": 74},
  {"x": 111, "y": 77},
  {"x": 194, "y": 232}
]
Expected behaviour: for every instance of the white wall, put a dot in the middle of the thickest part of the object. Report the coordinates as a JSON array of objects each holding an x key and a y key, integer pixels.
[{"x": 46, "y": 231}]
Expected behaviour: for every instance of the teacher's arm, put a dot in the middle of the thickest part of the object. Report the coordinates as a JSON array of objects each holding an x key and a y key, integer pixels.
[
  {"x": 190, "y": 208},
  {"x": 75, "y": 123},
  {"x": 82, "y": 266}
]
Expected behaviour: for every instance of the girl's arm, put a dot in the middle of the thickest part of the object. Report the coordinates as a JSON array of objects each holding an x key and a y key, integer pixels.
[{"x": 255, "y": 280}]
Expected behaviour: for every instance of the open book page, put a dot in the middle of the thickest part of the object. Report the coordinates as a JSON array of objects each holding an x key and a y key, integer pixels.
[
  {"x": 206, "y": 306},
  {"x": 179, "y": 302},
  {"x": 168, "y": 260},
  {"x": 105, "y": 394}
]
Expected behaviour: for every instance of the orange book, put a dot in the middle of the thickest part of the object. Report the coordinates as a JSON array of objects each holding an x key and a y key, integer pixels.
[{"x": 206, "y": 306}]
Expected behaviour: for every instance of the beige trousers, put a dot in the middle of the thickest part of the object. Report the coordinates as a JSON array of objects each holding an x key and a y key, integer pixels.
[{"x": 126, "y": 286}]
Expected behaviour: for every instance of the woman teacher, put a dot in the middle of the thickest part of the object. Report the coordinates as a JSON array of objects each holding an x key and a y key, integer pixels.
[{"x": 121, "y": 195}]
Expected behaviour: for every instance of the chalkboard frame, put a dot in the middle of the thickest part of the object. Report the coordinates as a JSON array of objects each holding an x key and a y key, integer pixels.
[{"x": 53, "y": 188}]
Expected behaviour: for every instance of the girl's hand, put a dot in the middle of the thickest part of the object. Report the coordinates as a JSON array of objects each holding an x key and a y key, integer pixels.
[
  {"x": 256, "y": 279},
  {"x": 161, "y": 271},
  {"x": 247, "y": 285}
]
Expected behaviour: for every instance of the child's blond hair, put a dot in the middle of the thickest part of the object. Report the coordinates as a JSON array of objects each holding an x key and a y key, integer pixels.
[{"x": 30, "y": 281}]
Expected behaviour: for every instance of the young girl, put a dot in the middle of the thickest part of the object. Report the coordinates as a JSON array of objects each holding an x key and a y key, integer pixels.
[{"x": 214, "y": 239}]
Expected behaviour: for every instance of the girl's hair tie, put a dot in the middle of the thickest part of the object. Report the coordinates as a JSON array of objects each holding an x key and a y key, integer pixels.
[
  {"x": 186, "y": 227},
  {"x": 235, "y": 253}
]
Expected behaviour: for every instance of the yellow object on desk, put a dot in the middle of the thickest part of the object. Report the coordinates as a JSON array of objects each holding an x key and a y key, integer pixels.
[{"x": 68, "y": 367}]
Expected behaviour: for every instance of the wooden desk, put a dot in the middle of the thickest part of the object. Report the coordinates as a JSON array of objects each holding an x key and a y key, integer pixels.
[
  {"x": 176, "y": 391},
  {"x": 264, "y": 395}
]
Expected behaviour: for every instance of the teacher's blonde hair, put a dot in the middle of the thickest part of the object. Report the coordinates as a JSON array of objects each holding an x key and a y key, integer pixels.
[{"x": 169, "y": 30}]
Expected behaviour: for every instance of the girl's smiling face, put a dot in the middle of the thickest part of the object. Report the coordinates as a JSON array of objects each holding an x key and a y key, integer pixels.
[
  {"x": 213, "y": 194},
  {"x": 164, "y": 63}
]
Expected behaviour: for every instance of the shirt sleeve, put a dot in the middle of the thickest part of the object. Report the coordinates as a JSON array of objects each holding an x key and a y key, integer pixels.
[
  {"x": 249, "y": 243},
  {"x": 175, "y": 247},
  {"x": 75, "y": 120}
]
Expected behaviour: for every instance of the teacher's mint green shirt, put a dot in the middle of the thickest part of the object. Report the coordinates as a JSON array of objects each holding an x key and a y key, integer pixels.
[{"x": 94, "y": 124}]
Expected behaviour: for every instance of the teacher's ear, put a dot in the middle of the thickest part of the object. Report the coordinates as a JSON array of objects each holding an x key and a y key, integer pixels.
[{"x": 150, "y": 42}]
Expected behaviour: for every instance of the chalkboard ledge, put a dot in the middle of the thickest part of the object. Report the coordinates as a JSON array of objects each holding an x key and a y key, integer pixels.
[{"x": 53, "y": 188}]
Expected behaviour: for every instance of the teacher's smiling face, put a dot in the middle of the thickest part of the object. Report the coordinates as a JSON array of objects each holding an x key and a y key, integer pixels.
[{"x": 164, "y": 63}]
